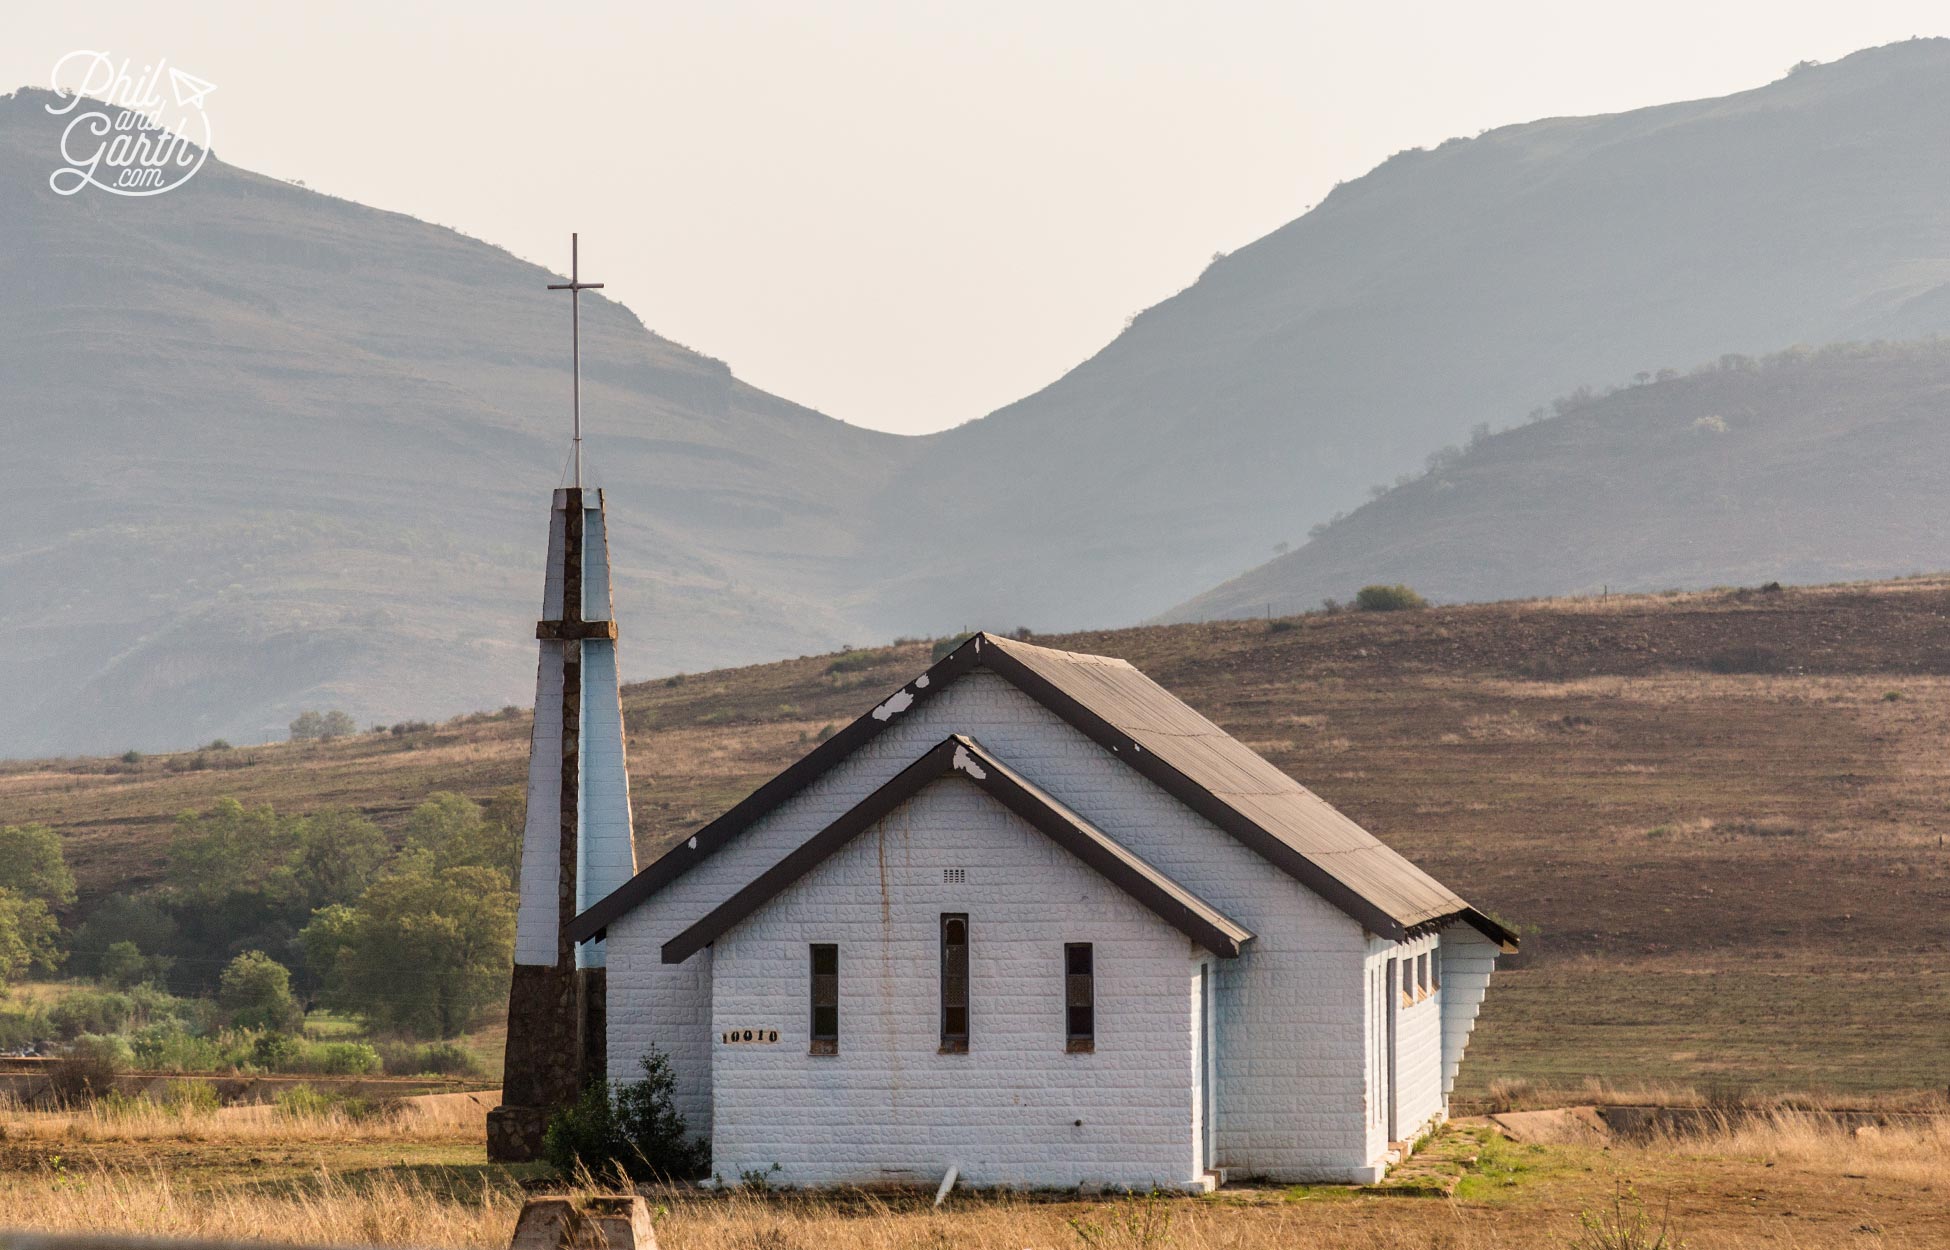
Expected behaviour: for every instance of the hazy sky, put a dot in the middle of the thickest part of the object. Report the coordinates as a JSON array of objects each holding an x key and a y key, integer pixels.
[{"x": 904, "y": 214}]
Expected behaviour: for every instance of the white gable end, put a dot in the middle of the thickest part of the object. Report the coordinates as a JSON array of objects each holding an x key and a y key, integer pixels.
[{"x": 889, "y": 1105}]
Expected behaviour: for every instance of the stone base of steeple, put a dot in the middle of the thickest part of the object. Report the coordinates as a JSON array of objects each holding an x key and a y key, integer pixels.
[{"x": 556, "y": 1045}]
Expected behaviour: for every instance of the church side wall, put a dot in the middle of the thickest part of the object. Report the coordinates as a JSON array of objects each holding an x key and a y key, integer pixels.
[
  {"x": 1291, "y": 1030},
  {"x": 1017, "y": 1108},
  {"x": 1416, "y": 1061}
]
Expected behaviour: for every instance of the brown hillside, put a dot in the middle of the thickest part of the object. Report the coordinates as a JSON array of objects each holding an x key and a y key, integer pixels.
[{"x": 1719, "y": 817}]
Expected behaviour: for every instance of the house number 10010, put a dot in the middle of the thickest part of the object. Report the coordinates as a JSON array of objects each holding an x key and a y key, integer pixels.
[{"x": 741, "y": 1036}]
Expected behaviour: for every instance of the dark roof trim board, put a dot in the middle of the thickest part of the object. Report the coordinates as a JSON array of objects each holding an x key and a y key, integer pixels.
[
  {"x": 707, "y": 841},
  {"x": 963, "y": 757},
  {"x": 1429, "y": 906}
]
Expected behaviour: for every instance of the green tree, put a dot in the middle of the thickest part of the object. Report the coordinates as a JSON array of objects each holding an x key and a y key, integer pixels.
[
  {"x": 328, "y": 942},
  {"x": 426, "y": 951},
  {"x": 123, "y": 965},
  {"x": 229, "y": 849},
  {"x": 458, "y": 833},
  {"x": 255, "y": 993},
  {"x": 338, "y": 854},
  {"x": 28, "y": 936},
  {"x": 31, "y": 863},
  {"x": 140, "y": 922},
  {"x": 313, "y": 726}
]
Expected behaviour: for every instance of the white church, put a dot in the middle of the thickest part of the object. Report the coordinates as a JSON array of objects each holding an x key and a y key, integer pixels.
[{"x": 1030, "y": 920}]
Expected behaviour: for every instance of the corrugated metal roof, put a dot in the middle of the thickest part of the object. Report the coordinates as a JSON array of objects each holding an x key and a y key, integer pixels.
[{"x": 1236, "y": 776}]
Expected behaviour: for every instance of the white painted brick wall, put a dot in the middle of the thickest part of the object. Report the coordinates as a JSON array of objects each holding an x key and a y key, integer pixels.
[
  {"x": 1292, "y": 1068},
  {"x": 1417, "y": 1060},
  {"x": 1418, "y": 1034},
  {"x": 889, "y": 1106}
]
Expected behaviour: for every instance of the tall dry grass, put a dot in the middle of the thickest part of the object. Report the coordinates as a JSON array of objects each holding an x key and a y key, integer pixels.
[
  {"x": 1798, "y": 1157},
  {"x": 1913, "y": 1152},
  {"x": 393, "y": 1211},
  {"x": 440, "y": 1117}
]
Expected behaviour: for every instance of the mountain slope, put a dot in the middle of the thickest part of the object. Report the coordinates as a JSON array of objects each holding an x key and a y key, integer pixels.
[
  {"x": 1449, "y": 287},
  {"x": 1809, "y": 466},
  {"x": 268, "y": 449}
]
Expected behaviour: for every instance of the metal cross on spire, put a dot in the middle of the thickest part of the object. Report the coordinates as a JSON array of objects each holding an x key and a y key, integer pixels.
[{"x": 575, "y": 286}]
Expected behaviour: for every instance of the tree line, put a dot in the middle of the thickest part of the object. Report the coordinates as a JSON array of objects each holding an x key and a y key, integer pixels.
[{"x": 274, "y": 914}]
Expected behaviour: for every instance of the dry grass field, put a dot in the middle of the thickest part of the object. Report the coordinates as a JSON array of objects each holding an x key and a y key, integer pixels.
[
  {"x": 1719, "y": 818},
  {"x": 1789, "y": 1181}
]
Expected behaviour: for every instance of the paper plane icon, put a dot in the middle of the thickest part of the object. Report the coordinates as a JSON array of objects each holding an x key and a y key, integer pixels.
[{"x": 190, "y": 89}]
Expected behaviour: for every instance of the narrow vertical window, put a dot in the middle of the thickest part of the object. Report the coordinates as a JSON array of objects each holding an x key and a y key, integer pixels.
[
  {"x": 825, "y": 999},
  {"x": 954, "y": 983},
  {"x": 1080, "y": 997}
]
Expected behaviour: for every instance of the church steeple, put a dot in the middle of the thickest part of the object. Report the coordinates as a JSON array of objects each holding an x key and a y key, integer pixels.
[{"x": 576, "y": 843}]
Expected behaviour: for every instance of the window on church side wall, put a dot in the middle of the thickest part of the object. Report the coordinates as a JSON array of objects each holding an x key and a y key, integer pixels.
[
  {"x": 825, "y": 998},
  {"x": 954, "y": 983},
  {"x": 1080, "y": 997}
]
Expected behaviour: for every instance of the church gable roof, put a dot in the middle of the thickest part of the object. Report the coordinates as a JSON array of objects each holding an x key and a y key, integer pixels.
[
  {"x": 1158, "y": 735},
  {"x": 958, "y": 756}
]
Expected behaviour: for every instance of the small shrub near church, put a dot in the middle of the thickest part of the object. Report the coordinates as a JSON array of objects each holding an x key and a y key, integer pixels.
[{"x": 632, "y": 1127}]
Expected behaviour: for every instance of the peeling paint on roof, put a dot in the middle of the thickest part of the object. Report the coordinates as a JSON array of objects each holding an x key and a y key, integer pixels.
[
  {"x": 921, "y": 682},
  {"x": 900, "y": 702},
  {"x": 966, "y": 763}
]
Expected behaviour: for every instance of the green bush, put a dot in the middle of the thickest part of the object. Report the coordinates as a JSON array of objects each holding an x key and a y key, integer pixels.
[
  {"x": 91, "y": 1011},
  {"x": 856, "y": 661},
  {"x": 633, "y": 1127},
  {"x": 303, "y": 1102},
  {"x": 189, "y": 1097},
  {"x": 255, "y": 993},
  {"x": 281, "y": 1052},
  {"x": 21, "y": 1029},
  {"x": 944, "y": 647},
  {"x": 429, "y": 1059},
  {"x": 274, "y": 1052},
  {"x": 89, "y": 1069},
  {"x": 168, "y": 1046},
  {"x": 1396, "y": 598},
  {"x": 340, "y": 1058}
]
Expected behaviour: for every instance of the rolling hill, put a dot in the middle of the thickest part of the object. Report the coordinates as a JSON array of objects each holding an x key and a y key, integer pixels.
[
  {"x": 1802, "y": 467},
  {"x": 1718, "y": 817}
]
